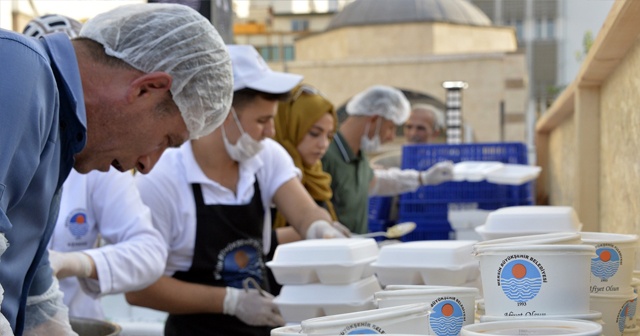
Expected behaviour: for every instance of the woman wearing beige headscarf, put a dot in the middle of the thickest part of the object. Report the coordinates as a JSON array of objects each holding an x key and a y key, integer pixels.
[{"x": 304, "y": 127}]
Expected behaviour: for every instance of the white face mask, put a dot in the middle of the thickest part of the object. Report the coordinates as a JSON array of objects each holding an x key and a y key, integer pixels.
[
  {"x": 245, "y": 148},
  {"x": 371, "y": 145}
]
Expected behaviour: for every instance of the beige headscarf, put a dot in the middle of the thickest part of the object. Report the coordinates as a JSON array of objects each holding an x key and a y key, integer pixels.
[{"x": 293, "y": 120}]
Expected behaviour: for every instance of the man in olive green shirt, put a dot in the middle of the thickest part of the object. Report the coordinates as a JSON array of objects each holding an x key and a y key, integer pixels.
[{"x": 373, "y": 117}]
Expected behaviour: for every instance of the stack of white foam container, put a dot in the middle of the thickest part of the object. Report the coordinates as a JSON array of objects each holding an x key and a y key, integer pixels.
[
  {"x": 323, "y": 277},
  {"x": 518, "y": 221},
  {"x": 428, "y": 262},
  {"x": 611, "y": 290}
]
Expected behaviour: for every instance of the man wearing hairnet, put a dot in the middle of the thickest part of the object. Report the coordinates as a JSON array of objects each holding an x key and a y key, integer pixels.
[
  {"x": 373, "y": 117},
  {"x": 138, "y": 79}
]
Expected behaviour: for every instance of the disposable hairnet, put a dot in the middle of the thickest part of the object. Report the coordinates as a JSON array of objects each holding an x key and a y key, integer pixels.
[
  {"x": 385, "y": 101},
  {"x": 53, "y": 23},
  {"x": 177, "y": 40}
]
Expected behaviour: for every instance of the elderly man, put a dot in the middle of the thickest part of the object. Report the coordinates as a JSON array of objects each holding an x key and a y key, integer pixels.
[
  {"x": 137, "y": 80},
  {"x": 424, "y": 125},
  {"x": 373, "y": 117}
]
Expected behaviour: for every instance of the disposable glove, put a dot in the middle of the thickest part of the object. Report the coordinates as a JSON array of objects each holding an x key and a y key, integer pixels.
[
  {"x": 323, "y": 229},
  {"x": 393, "y": 181},
  {"x": 438, "y": 173},
  {"x": 67, "y": 264},
  {"x": 46, "y": 314},
  {"x": 252, "y": 307}
]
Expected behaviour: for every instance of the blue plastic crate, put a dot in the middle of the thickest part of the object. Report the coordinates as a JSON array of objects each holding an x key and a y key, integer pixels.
[
  {"x": 429, "y": 230},
  {"x": 427, "y": 202},
  {"x": 376, "y": 225},
  {"x": 380, "y": 207}
]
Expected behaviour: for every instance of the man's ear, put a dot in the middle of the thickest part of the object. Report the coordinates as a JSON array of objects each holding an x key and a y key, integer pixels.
[{"x": 150, "y": 84}]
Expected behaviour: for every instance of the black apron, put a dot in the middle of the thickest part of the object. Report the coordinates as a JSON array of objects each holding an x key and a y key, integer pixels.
[{"x": 228, "y": 249}]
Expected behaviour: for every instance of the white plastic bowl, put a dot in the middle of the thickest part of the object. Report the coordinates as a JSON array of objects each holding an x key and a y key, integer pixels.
[
  {"x": 536, "y": 239},
  {"x": 594, "y": 316},
  {"x": 408, "y": 319},
  {"x": 535, "y": 279},
  {"x": 302, "y": 302},
  {"x": 451, "y": 307},
  {"x": 617, "y": 309},
  {"x": 534, "y": 327},
  {"x": 612, "y": 267}
]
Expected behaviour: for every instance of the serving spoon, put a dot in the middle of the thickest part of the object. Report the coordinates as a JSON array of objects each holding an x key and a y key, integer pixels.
[{"x": 394, "y": 231}]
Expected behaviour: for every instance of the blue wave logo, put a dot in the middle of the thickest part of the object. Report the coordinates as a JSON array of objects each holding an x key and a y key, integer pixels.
[
  {"x": 520, "y": 280},
  {"x": 606, "y": 263},
  {"x": 446, "y": 318},
  {"x": 623, "y": 314},
  {"x": 78, "y": 224},
  {"x": 633, "y": 304},
  {"x": 362, "y": 331}
]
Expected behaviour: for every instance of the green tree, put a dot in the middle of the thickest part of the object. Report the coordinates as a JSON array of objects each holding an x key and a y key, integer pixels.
[{"x": 587, "y": 42}]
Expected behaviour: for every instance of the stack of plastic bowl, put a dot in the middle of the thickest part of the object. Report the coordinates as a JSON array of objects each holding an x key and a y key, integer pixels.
[
  {"x": 451, "y": 307},
  {"x": 528, "y": 220},
  {"x": 536, "y": 277},
  {"x": 429, "y": 262},
  {"x": 611, "y": 277},
  {"x": 325, "y": 277}
]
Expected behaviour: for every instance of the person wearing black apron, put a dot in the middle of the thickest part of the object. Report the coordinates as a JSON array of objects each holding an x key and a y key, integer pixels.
[
  {"x": 210, "y": 201},
  {"x": 228, "y": 250}
]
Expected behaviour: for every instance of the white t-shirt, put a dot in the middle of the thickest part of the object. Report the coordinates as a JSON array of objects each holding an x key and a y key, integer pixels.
[
  {"x": 108, "y": 206},
  {"x": 167, "y": 191}
]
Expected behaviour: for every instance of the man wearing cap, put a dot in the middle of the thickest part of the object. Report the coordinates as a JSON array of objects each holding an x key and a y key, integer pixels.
[
  {"x": 373, "y": 117},
  {"x": 211, "y": 199},
  {"x": 139, "y": 79}
]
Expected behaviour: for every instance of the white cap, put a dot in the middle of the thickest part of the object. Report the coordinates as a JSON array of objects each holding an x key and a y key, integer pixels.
[
  {"x": 385, "y": 101},
  {"x": 177, "y": 40},
  {"x": 251, "y": 71}
]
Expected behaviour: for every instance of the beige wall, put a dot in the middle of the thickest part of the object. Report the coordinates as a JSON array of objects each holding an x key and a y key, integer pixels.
[
  {"x": 485, "y": 74},
  {"x": 458, "y": 39},
  {"x": 560, "y": 172},
  {"x": 589, "y": 138},
  {"x": 620, "y": 147},
  {"x": 404, "y": 40}
]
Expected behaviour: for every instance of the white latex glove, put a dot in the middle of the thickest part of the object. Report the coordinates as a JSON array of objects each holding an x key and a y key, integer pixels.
[
  {"x": 323, "y": 229},
  {"x": 67, "y": 264},
  {"x": 46, "y": 315},
  {"x": 438, "y": 173},
  {"x": 393, "y": 181},
  {"x": 252, "y": 307}
]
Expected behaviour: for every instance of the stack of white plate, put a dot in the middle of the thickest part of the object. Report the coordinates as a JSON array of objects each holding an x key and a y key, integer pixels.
[{"x": 325, "y": 277}]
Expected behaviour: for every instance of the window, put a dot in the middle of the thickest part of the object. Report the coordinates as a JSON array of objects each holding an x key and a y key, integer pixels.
[
  {"x": 551, "y": 29},
  {"x": 289, "y": 53},
  {"x": 300, "y": 25},
  {"x": 538, "y": 30},
  {"x": 519, "y": 30}
]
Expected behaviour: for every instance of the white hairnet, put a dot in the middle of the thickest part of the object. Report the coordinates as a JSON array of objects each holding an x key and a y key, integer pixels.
[
  {"x": 385, "y": 101},
  {"x": 52, "y": 23},
  {"x": 177, "y": 40}
]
